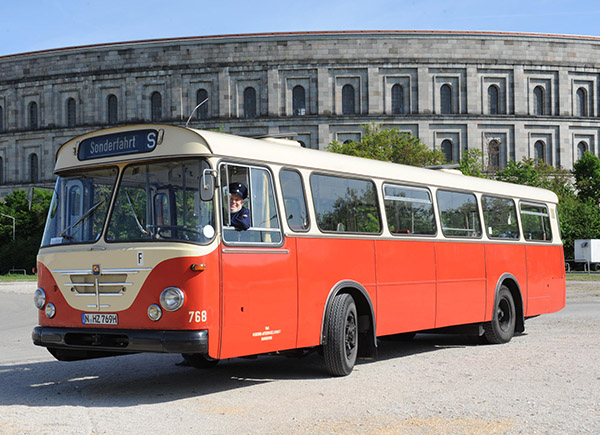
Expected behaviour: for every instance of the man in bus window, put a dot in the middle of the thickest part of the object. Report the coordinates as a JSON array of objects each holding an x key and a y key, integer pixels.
[{"x": 240, "y": 217}]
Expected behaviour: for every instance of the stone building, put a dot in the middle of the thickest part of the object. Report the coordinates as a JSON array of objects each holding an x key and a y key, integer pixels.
[{"x": 510, "y": 95}]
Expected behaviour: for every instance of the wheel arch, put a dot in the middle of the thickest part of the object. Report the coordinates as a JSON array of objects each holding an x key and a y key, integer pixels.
[
  {"x": 367, "y": 340},
  {"x": 511, "y": 282}
]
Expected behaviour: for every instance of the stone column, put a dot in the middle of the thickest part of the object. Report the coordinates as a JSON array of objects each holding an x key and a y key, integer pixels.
[
  {"x": 520, "y": 91},
  {"x": 224, "y": 94},
  {"x": 564, "y": 93},
  {"x": 273, "y": 92},
  {"x": 374, "y": 92},
  {"x": 425, "y": 100},
  {"x": 473, "y": 90},
  {"x": 324, "y": 101}
]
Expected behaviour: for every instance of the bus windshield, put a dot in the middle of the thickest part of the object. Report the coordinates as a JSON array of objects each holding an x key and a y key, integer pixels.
[
  {"x": 161, "y": 201},
  {"x": 79, "y": 206}
]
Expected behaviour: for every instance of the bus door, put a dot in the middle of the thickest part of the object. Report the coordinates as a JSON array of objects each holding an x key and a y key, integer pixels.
[{"x": 259, "y": 276}]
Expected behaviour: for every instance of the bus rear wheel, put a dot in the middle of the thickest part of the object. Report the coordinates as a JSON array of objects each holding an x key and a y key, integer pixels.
[
  {"x": 341, "y": 347},
  {"x": 200, "y": 361},
  {"x": 502, "y": 327}
]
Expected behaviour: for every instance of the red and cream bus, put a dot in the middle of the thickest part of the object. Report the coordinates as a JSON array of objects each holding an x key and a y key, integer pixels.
[{"x": 139, "y": 253}]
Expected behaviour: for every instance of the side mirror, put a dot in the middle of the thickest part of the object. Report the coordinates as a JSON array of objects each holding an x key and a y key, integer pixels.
[{"x": 207, "y": 185}]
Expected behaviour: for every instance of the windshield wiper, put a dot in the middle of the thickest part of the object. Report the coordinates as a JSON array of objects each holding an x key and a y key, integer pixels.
[
  {"x": 143, "y": 230},
  {"x": 87, "y": 214}
]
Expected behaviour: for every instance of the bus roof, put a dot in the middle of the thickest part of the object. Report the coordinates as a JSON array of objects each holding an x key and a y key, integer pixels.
[{"x": 208, "y": 143}]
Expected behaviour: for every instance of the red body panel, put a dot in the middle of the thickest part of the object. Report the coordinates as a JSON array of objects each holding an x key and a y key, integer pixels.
[
  {"x": 259, "y": 300},
  {"x": 406, "y": 296}
]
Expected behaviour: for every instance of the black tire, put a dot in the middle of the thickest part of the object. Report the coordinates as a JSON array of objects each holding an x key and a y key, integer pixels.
[
  {"x": 200, "y": 361},
  {"x": 341, "y": 332},
  {"x": 502, "y": 327}
]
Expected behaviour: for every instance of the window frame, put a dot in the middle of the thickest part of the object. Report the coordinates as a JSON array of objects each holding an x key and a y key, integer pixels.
[
  {"x": 535, "y": 204},
  {"x": 410, "y": 187},
  {"x": 477, "y": 206},
  {"x": 309, "y": 221},
  {"x": 517, "y": 217},
  {"x": 220, "y": 212},
  {"x": 346, "y": 177}
]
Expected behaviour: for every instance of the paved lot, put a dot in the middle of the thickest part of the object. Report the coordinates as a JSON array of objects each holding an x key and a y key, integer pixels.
[{"x": 544, "y": 381}]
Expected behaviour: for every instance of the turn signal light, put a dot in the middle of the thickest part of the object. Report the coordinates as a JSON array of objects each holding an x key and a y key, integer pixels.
[{"x": 198, "y": 267}]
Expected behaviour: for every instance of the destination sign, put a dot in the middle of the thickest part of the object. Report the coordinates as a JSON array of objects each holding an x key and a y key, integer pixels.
[{"x": 118, "y": 144}]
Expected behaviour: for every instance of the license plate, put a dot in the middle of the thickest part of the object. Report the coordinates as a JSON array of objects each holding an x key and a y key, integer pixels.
[{"x": 99, "y": 319}]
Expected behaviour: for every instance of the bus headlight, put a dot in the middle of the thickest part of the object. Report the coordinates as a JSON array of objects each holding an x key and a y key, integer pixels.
[
  {"x": 39, "y": 298},
  {"x": 171, "y": 299},
  {"x": 154, "y": 312},
  {"x": 50, "y": 310}
]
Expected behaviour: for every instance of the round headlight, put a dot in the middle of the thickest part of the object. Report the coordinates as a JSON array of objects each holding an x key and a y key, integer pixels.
[
  {"x": 39, "y": 298},
  {"x": 50, "y": 310},
  {"x": 171, "y": 299},
  {"x": 154, "y": 312}
]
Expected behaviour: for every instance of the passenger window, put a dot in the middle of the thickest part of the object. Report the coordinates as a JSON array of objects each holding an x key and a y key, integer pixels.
[
  {"x": 345, "y": 205},
  {"x": 536, "y": 222},
  {"x": 249, "y": 210},
  {"x": 409, "y": 210},
  {"x": 500, "y": 217},
  {"x": 294, "y": 200},
  {"x": 459, "y": 216}
]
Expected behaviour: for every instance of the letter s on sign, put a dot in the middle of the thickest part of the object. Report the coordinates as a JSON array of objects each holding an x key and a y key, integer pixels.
[{"x": 151, "y": 138}]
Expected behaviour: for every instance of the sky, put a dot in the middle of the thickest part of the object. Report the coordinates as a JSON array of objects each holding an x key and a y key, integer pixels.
[{"x": 31, "y": 25}]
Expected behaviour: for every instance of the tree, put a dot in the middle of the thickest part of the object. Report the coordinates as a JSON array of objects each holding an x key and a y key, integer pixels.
[
  {"x": 587, "y": 177},
  {"x": 391, "y": 145},
  {"x": 21, "y": 253},
  {"x": 471, "y": 163}
]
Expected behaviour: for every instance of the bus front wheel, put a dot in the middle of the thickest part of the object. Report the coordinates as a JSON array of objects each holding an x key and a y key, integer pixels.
[
  {"x": 200, "y": 361},
  {"x": 341, "y": 347},
  {"x": 502, "y": 327}
]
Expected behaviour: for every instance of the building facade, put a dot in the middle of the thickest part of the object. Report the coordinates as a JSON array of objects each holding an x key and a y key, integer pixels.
[{"x": 509, "y": 95}]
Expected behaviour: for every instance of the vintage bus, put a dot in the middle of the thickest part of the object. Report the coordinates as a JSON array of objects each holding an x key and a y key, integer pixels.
[{"x": 139, "y": 252}]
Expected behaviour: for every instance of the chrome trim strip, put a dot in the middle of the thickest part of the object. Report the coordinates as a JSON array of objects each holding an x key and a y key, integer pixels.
[{"x": 255, "y": 251}]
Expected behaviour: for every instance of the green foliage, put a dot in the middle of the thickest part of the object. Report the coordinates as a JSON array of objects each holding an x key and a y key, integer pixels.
[
  {"x": 587, "y": 177},
  {"x": 472, "y": 163},
  {"x": 390, "y": 145},
  {"x": 579, "y": 219},
  {"x": 29, "y": 227},
  {"x": 535, "y": 173}
]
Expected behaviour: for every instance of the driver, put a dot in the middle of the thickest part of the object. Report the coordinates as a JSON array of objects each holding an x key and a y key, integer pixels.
[{"x": 240, "y": 217}]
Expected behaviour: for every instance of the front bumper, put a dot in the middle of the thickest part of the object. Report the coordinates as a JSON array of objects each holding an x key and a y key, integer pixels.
[{"x": 121, "y": 341}]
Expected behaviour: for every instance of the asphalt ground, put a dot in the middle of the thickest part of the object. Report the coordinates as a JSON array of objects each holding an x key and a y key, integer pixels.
[{"x": 546, "y": 380}]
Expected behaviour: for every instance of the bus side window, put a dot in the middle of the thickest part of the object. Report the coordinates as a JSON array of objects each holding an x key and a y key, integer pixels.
[
  {"x": 294, "y": 199},
  {"x": 536, "y": 222},
  {"x": 500, "y": 217},
  {"x": 261, "y": 205},
  {"x": 409, "y": 210},
  {"x": 459, "y": 215}
]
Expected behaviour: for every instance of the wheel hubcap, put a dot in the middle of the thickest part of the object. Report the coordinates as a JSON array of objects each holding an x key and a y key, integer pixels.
[{"x": 351, "y": 334}]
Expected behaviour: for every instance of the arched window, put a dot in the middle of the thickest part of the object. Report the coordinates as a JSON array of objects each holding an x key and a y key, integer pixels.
[
  {"x": 71, "y": 112},
  {"x": 156, "y": 107},
  {"x": 582, "y": 147},
  {"x": 494, "y": 100},
  {"x": 202, "y": 95},
  {"x": 493, "y": 155},
  {"x": 448, "y": 150},
  {"x": 1, "y": 119},
  {"x": 397, "y": 99},
  {"x": 112, "y": 109},
  {"x": 581, "y": 102},
  {"x": 33, "y": 168},
  {"x": 299, "y": 100},
  {"x": 539, "y": 151},
  {"x": 446, "y": 99},
  {"x": 539, "y": 101},
  {"x": 249, "y": 102},
  {"x": 1, "y": 171},
  {"x": 348, "y": 103},
  {"x": 33, "y": 115}
]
